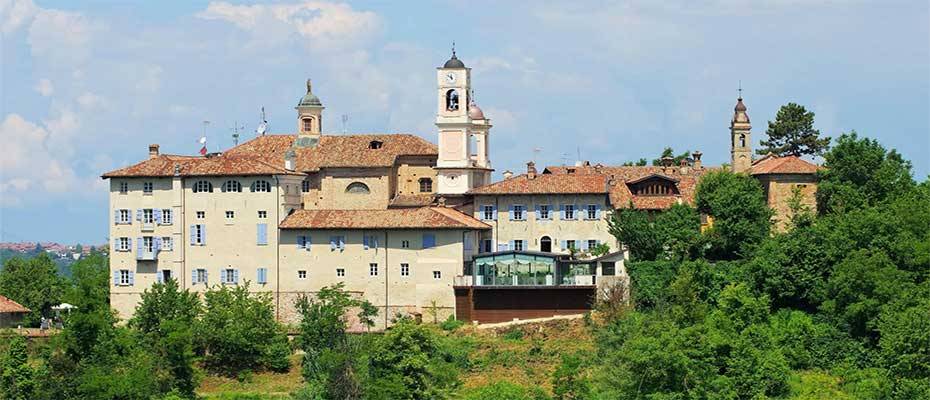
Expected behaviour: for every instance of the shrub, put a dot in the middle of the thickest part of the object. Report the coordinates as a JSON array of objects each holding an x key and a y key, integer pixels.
[
  {"x": 505, "y": 390},
  {"x": 513, "y": 334},
  {"x": 451, "y": 324}
]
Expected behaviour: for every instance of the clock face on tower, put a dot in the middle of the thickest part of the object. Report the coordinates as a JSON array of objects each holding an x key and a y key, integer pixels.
[{"x": 450, "y": 77}]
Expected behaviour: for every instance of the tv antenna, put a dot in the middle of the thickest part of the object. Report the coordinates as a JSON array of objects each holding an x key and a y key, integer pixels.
[
  {"x": 536, "y": 152},
  {"x": 345, "y": 123},
  {"x": 564, "y": 158},
  {"x": 263, "y": 126},
  {"x": 236, "y": 128}
]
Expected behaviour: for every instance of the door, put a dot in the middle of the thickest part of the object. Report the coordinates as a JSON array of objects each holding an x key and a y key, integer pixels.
[{"x": 545, "y": 244}]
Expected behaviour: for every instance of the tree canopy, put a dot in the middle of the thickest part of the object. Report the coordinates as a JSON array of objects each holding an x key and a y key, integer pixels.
[{"x": 793, "y": 134}]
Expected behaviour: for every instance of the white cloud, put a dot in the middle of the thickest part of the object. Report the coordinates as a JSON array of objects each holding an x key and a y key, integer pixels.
[
  {"x": 91, "y": 101},
  {"x": 61, "y": 37},
  {"x": 15, "y": 13},
  {"x": 30, "y": 163},
  {"x": 44, "y": 87}
]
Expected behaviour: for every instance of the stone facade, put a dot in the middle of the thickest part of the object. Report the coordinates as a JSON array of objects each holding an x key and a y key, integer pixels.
[{"x": 779, "y": 190}]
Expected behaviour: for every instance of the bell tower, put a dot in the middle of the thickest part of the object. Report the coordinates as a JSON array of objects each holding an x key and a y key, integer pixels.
[
  {"x": 740, "y": 138},
  {"x": 309, "y": 118},
  {"x": 463, "y": 162}
]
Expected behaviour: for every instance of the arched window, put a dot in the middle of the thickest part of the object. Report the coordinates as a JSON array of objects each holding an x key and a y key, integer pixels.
[
  {"x": 545, "y": 244},
  {"x": 375, "y": 144},
  {"x": 261, "y": 186},
  {"x": 742, "y": 140},
  {"x": 452, "y": 100},
  {"x": 308, "y": 124},
  {"x": 357, "y": 188},
  {"x": 426, "y": 185},
  {"x": 232, "y": 186},
  {"x": 203, "y": 187}
]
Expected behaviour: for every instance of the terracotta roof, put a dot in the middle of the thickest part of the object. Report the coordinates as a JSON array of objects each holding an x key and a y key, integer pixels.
[
  {"x": 771, "y": 164},
  {"x": 340, "y": 151},
  {"x": 395, "y": 218},
  {"x": 620, "y": 195},
  {"x": 547, "y": 184},
  {"x": 164, "y": 165},
  {"x": 412, "y": 200},
  {"x": 10, "y": 306}
]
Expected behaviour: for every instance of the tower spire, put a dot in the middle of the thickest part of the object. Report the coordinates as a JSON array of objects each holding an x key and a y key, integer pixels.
[
  {"x": 740, "y": 90},
  {"x": 453, "y": 49}
]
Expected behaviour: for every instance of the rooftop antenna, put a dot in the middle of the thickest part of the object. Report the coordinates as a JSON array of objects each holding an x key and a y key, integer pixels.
[
  {"x": 236, "y": 128},
  {"x": 263, "y": 126},
  {"x": 564, "y": 158},
  {"x": 345, "y": 122}
]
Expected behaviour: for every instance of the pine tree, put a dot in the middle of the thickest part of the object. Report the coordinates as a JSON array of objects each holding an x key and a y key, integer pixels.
[{"x": 793, "y": 134}]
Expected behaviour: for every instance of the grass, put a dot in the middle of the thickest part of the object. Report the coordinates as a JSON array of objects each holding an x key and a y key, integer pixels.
[{"x": 261, "y": 385}]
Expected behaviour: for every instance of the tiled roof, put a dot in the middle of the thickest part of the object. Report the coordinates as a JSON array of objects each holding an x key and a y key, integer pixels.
[
  {"x": 10, "y": 306},
  {"x": 164, "y": 165},
  {"x": 620, "y": 195},
  {"x": 395, "y": 218},
  {"x": 412, "y": 200},
  {"x": 340, "y": 151},
  {"x": 547, "y": 184},
  {"x": 782, "y": 165}
]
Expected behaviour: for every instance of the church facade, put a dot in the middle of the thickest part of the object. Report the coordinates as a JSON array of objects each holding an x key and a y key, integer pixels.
[{"x": 410, "y": 226}]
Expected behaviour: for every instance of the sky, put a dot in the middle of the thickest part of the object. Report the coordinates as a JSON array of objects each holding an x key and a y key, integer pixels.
[{"x": 86, "y": 86}]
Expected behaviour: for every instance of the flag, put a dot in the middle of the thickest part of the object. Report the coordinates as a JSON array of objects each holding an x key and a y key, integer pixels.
[{"x": 203, "y": 148}]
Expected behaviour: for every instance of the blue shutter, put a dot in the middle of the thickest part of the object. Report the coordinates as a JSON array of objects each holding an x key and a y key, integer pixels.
[
  {"x": 193, "y": 235},
  {"x": 206, "y": 277},
  {"x": 511, "y": 212},
  {"x": 194, "y": 277},
  {"x": 564, "y": 245},
  {"x": 156, "y": 213},
  {"x": 562, "y": 211},
  {"x": 139, "y": 214},
  {"x": 342, "y": 243},
  {"x": 116, "y": 277},
  {"x": 429, "y": 240},
  {"x": 301, "y": 242},
  {"x": 157, "y": 244},
  {"x": 262, "y": 234},
  {"x": 537, "y": 213},
  {"x": 262, "y": 275},
  {"x": 203, "y": 234},
  {"x": 332, "y": 242},
  {"x": 116, "y": 217},
  {"x": 510, "y": 245},
  {"x": 159, "y": 276},
  {"x": 138, "y": 248},
  {"x": 365, "y": 241},
  {"x": 597, "y": 211},
  {"x": 374, "y": 242},
  {"x": 467, "y": 242},
  {"x": 494, "y": 212},
  {"x": 309, "y": 241},
  {"x": 132, "y": 277},
  {"x": 584, "y": 245},
  {"x": 236, "y": 276}
]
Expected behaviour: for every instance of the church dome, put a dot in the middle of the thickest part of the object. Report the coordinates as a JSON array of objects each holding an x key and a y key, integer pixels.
[
  {"x": 474, "y": 112},
  {"x": 454, "y": 62},
  {"x": 739, "y": 105},
  {"x": 309, "y": 99}
]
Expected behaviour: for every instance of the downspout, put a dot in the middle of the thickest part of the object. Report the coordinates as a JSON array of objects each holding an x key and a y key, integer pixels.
[{"x": 387, "y": 269}]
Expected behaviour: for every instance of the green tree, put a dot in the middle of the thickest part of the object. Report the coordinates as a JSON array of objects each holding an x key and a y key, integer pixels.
[
  {"x": 413, "y": 360},
  {"x": 17, "y": 377},
  {"x": 668, "y": 152},
  {"x": 34, "y": 283},
  {"x": 322, "y": 329},
  {"x": 793, "y": 134},
  {"x": 236, "y": 329},
  {"x": 367, "y": 313},
  {"x": 642, "y": 162},
  {"x": 569, "y": 381},
  {"x": 859, "y": 173},
  {"x": 634, "y": 229},
  {"x": 742, "y": 219}
]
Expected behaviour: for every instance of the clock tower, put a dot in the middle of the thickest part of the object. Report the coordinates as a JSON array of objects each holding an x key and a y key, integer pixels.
[{"x": 463, "y": 162}]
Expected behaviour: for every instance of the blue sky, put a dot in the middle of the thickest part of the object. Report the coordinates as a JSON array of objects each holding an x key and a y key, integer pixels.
[{"x": 85, "y": 86}]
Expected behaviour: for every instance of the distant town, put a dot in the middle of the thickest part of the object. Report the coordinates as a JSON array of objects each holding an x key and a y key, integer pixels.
[{"x": 55, "y": 250}]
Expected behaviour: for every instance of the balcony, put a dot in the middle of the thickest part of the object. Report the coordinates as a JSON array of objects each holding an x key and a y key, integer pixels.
[
  {"x": 515, "y": 269},
  {"x": 147, "y": 255},
  {"x": 148, "y": 227}
]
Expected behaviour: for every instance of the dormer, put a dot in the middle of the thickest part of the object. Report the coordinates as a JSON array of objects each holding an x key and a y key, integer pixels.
[{"x": 654, "y": 185}]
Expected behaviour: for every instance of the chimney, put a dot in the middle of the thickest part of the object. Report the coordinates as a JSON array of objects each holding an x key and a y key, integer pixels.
[
  {"x": 531, "y": 170},
  {"x": 684, "y": 166},
  {"x": 508, "y": 174},
  {"x": 697, "y": 159},
  {"x": 153, "y": 150},
  {"x": 290, "y": 156}
]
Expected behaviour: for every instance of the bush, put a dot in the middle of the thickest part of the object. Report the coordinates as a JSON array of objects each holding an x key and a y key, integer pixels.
[
  {"x": 504, "y": 390},
  {"x": 451, "y": 324},
  {"x": 513, "y": 334},
  {"x": 648, "y": 281},
  {"x": 569, "y": 381}
]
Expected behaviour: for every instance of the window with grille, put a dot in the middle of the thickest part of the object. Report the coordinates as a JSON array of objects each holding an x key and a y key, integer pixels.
[
  {"x": 518, "y": 212},
  {"x": 569, "y": 211},
  {"x": 426, "y": 185},
  {"x": 404, "y": 269},
  {"x": 167, "y": 218},
  {"x": 405, "y": 244},
  {"x": 201, "y": 214},
  {"x": 232, "y": 186},
  {"x": 148, "y": 216},
  {"x": 592, "y": 211},
  {"x": 147, "y": 187},
  {"x": 230, "y": 215},
  {"x": 302, "y": 274},
  {"x": 487, "y": 212},
  {"x": 373, "y": 269},
  {"x": 203, "y": 187},
  {"x": 262, "y": 214},
  {"x": 261, "y": 186},
  {"x": 437, "y": 274},
  {"x": 544, "y": 211},
  {"x": 124, "y": 277},
  {"x": 518, "y": 245},
  {"x": 124, "y": 187},
  {"x": 340, "y": 272}
]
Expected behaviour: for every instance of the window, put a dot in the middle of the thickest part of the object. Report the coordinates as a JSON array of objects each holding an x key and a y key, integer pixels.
[
  {"x": 357, "y": 188},
  {"x": 340, "y": 272},
  {"x": 123, "y": 217},
  {"x": 148, "y": 216},
  {"x": 405, "y": 244},
  {"x": 518, "y": 245},
  {"x": 308, "y": 124},
  {"x": 262, "y": 275},
  {"x": 124, "y": 244},
  {"x": 569, "y": 211},
  {"x": 437, "y": 275},
  {"x": 544, "y": 211},
  {"x": 486, "y": 246},
  {"x": 592, "y": 243},
  {"x": 305, "y": 186},
  {"x": 261, "y": 234},
  {"x": 230, "y": 215},
  {"x": 375, "y": 144},
  {"x": 517, "y": 213},
  {"x": 200, "y": 275},
  {"x": 592, "y": 211},
  {"x": 124, "y": 187},
  {"x": 262, "y": 214},
  {"x": 198, "y": 235},
  {"x": 261, "y": 186},
  {"x": 426, "y": 185},
  {"x": 404, "y": 269},
  {"x": 164, "y": 275},
  {"x": 201, "y": 214},
  {"x": 167, "y": 218},
  {"x": 570, "y": 244},
  {"x": 230, "y": 276},
  {"x": 147, "y": 187},
  {"x": 167, "y": 243},
  {"x": 125, "y": 277},
  {"x": 742, "y": 140},
  {"x": 487, "y": 212},
  {"x": 545, "y": 244},
  {"x": 203, "y": 187},
  {"x": 302, "y": 274},
  {"x": 148, "y": 244},
  {"x": 337, "y": 243},
  {"x": 452, "y": 100},
  {"x": 232, "y": 186},
  {"x": 373, "y": 269}
]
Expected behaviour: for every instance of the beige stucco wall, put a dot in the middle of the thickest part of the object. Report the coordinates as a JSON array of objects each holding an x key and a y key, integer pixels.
[
  {"x": 532, "y": 229},
  {"x": 333, "y": 189},
  {"x": 409, "y": 173},
  {"x": 779, "y": 189},
  {"x": 414, "y": 293}
]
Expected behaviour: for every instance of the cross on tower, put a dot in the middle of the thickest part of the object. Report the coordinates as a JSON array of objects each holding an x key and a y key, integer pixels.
[{"x": 740, "y": 89}]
